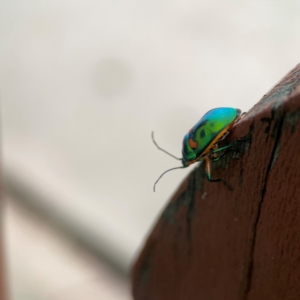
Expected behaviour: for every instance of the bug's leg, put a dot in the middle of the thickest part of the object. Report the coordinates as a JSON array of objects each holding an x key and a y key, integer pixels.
[
  {"x": 223, "y": 148},
  {"x": 208, "y": 170},
  {"x": 239, "y": 118},
  {"x": 216, "y": 157},
  {"x": 227, "y": 148},
  {"x": 232, "y": 145}
]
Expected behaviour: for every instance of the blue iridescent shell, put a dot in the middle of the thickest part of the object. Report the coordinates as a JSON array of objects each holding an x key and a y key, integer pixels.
[{"x": 205, "y": 134}]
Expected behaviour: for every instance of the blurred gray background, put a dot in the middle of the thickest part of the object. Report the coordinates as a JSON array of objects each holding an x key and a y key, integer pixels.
[{"x": 82, "y": 85}]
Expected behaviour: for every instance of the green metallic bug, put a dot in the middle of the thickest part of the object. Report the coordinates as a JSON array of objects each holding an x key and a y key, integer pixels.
[{"x": 201, "y": 142}]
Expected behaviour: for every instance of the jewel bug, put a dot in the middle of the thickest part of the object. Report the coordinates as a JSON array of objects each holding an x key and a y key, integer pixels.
[{"x": 201, "y": 142}]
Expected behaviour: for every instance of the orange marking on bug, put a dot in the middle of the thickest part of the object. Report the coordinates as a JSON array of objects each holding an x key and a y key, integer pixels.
[{"x": 193, "y": 144}]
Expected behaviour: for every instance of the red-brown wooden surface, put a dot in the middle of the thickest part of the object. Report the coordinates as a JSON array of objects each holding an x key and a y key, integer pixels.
[{"x": 212, "y": 243}]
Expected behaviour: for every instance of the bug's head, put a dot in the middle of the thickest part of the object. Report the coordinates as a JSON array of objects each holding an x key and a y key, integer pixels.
[{"x": 188, "y": 151}]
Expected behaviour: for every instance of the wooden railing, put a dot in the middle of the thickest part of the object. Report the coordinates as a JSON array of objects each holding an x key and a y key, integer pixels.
[{"x": 212, "y": 243}]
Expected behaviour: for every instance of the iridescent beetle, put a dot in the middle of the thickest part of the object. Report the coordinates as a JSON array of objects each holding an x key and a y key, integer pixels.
[{"x": 201, "y": 142}]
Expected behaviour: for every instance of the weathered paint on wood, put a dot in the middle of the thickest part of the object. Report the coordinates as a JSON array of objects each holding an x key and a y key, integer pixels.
[{"x": 211, "y": 243}]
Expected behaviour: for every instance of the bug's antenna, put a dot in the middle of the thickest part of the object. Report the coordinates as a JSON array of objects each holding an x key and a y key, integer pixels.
[
  {"x": 152, "y": 135},
  {"x": 182, "y": 167}
]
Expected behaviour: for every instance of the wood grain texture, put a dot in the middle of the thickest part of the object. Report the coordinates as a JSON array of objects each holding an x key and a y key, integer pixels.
[{"x": 213, "y": 243}]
